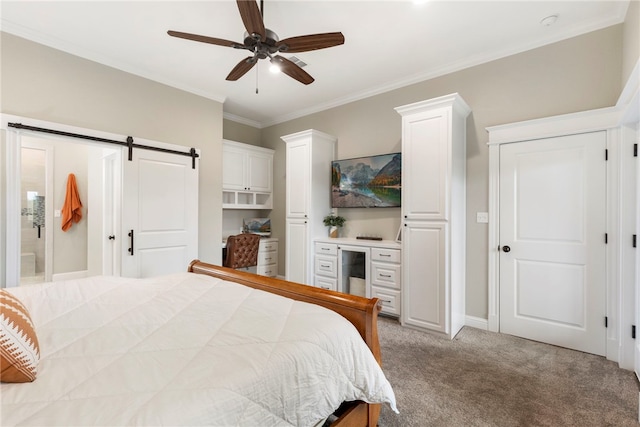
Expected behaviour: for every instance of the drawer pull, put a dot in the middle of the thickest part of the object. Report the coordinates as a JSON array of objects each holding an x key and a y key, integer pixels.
[
  {"x": 325, "y": 249},
  {"x": 385, "y": 275},
  {"x": 268, "y": 259},
  {"x": 325, "y": 265},
  {"x": 388, "y": 301},
  {"x": 387, "y": 255}
]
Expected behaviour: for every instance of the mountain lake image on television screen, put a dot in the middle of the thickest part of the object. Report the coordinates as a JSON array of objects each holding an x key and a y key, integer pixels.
[{"x": 366, "y": 182}]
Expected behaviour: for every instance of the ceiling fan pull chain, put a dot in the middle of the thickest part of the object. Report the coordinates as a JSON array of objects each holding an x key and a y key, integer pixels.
[{"x": 257, "y": 65}]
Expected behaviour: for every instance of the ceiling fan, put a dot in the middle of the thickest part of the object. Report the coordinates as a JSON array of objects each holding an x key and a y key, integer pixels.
[{"x": 264, "y": 43}]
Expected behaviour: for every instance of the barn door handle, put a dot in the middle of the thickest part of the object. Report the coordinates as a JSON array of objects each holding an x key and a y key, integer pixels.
[
  {"x": 130, "y": 242},
  {"x": 506, "y": 249}
]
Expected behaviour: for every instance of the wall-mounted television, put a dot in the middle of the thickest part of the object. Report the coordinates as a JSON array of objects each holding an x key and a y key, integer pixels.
[{"x": 366, "y": 182}]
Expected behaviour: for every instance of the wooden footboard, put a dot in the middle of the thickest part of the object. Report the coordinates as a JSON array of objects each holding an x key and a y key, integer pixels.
[{"x": 361, "y": 312}]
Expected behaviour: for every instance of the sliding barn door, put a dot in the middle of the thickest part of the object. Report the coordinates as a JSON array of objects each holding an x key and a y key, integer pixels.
[{"x": 160, "y": 214}]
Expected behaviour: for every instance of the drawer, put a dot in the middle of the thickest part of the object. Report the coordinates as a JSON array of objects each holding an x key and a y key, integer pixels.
[
  {"x": 326, "y": 248},
  {"x": 326, "y": 283},
  {"x": 386, "y": 255},
  {"x": 383, "y": 274},
  {"x": 268, "y": 246},
  {"x": 270, "y": 270},
  {"x": 265, "y": 258},
  {"x": 390, "y": 299},
  {"x": 326, "y": 266}
]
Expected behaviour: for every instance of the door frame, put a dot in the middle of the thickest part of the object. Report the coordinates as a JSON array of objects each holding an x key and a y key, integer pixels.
[
  {"x": 48, "y": 229},
  {"x": 619, "y": 344},
  {"x": 13, "y": 143}
]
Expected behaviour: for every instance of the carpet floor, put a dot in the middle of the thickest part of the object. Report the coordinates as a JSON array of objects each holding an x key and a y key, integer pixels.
[{"x": 484, "y": 378}]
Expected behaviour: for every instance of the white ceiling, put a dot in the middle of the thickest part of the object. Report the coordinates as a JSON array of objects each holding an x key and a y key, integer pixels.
[{"x": 388, "y": 44}]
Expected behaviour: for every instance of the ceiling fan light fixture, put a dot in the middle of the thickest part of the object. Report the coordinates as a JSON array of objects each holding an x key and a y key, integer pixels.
[{"x": 274, "y": 68}]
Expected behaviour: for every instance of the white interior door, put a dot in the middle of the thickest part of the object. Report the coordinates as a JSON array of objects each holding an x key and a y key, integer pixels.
[
  {"x": 160, "y": 214},
  {"x": 552, "y": 235}
]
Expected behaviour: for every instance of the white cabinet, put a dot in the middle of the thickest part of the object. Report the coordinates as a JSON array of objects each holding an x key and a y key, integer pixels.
[
  {"x": 433, "y": 214},
  {"x": 247, "y": 176},
  {"x": 386, "y": 278},
  {"x": 268, "y": 257},
  {"x": 361, "y": 267},
  {"x": 308, "y": 190}
]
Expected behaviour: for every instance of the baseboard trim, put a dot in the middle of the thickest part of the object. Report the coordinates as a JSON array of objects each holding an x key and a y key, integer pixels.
[
  {"x": 70, "y": 276},
  {"x": 477, "y": 322}
]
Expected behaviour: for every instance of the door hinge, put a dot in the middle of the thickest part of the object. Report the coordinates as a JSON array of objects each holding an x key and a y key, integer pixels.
[
  {"x": 634, "y": 240},
  {"x": 606, "y": 238},
  {"x": 606, "y": 322},
  {"x": 635, "y": 150},
  {"x": 606, "y": 154},
  {"x": 633, "y": 331}
]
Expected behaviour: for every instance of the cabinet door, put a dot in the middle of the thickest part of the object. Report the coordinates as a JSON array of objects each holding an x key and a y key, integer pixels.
[
  {"x": 233, "y": 168},
  {"x": 425, "y": 165},
  {"x": 296, "y": 257},
  {"x": 424, "y": 277},
  {"x": 298, "y": 180},
  {"x": 259, "y": 172}
]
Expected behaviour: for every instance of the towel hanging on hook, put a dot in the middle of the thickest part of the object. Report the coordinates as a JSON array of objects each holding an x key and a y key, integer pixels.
[{"x": 72, "y": 208}]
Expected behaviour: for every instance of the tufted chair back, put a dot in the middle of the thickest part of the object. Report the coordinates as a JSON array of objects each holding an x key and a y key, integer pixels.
[{"x": 242, "y": 250}]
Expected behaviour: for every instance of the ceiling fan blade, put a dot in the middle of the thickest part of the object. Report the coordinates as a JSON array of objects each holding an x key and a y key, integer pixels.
[
  {"x": 204, "y": 39},
  {"x": 252, "y": 18},
  {"x": 292, "y": 70},
  {"x": 310, "y": 42},
  {"x": 241, "y": 68}
]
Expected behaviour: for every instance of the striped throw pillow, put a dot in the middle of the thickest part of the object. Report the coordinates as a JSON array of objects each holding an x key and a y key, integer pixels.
[{"x": 19, "y": 349}]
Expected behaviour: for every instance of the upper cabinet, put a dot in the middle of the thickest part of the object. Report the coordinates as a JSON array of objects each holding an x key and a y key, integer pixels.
[{"x": 247, "y": 176}]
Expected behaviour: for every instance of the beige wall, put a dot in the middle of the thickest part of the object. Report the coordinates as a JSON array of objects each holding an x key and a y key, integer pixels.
[
  {"x": 239, "y": 132},
  {"x": 578, "y": 74},
  {"x": 631, "y": 39},
  {"x": 47, "y": 84}
]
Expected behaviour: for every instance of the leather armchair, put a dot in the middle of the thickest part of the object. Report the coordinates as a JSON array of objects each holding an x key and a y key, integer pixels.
[{"x": 242, "y": 250}]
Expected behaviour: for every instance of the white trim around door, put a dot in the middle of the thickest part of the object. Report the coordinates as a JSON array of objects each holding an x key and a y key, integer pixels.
[{"x": 619, "y": 344}]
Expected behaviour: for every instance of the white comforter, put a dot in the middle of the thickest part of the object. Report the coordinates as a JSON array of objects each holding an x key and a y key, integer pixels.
[{"x": 186, "y": 349}]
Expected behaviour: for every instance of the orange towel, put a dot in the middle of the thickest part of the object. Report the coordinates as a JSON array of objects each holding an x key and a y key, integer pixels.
[{"x": 72, "y": 208}]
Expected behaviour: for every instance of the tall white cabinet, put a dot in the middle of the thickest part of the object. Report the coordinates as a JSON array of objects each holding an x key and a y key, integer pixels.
[
  {"x": 433, "y": 214},
  {"x": 308, "y": 198}
]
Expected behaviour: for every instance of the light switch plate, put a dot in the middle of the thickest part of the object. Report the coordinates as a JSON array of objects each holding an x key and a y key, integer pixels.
[
  {"x": 482, "y": 217},
  {"x": 57, "y": 213}
]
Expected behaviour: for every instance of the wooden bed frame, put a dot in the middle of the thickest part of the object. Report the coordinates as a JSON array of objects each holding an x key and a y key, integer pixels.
[{"x": 362, "y": 312}]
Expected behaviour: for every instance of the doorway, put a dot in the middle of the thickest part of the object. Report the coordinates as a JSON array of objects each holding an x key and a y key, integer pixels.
[
  {"x": 102, "y": 243},
  {"x": 36, "y": 163},
  {"x": 47, "y": 253}
]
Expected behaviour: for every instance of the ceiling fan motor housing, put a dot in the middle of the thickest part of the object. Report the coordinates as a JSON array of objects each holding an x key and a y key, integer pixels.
[{"x": 263, "y": 49}]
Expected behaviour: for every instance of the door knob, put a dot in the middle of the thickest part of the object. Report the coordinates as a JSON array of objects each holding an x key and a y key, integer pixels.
[{"x": 506, "y": 248}]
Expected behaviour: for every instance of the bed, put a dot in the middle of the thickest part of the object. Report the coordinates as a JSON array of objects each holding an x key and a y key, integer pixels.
[{"x": 211, "y": 346}]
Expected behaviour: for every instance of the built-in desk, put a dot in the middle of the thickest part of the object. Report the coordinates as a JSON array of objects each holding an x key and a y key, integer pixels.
[
  {"x": 368, "y": 268},
  {"x": 267, "y": 257}
]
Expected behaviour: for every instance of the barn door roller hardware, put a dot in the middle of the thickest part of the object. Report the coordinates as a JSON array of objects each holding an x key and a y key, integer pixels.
[{"x": 128, "y": 143}]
